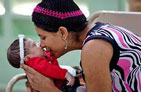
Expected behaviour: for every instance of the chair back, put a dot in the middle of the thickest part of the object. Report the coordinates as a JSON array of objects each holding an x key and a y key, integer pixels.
[{"x": 128, "y": 20}]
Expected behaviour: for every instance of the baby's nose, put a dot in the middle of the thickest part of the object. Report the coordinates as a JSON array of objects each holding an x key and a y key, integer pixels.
[{"x": 37, "y": 44}]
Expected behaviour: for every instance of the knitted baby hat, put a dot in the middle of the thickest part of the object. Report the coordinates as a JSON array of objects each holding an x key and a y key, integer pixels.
[{"x": 51, "y": 14}]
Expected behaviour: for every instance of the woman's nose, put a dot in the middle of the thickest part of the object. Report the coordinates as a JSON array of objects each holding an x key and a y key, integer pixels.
[{"x": 42, "y": 45}]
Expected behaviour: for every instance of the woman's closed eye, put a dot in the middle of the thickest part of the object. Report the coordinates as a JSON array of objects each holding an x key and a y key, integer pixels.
[{"x": 43, "y": 38}]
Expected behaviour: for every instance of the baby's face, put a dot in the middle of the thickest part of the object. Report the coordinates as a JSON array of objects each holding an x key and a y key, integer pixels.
[{"x": 34, "y": 49}]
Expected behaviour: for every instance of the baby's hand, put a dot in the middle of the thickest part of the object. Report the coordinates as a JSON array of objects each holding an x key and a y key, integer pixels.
[{"x": 70, "y": 79}]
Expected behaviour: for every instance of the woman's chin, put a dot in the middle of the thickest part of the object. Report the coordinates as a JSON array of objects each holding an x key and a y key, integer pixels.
[
  {"x": 54, "y": 54},
  {"x": 57, "y": 55}
]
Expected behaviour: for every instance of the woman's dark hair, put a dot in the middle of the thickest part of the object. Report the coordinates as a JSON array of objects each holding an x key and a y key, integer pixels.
[{"x": 51, "y": 14}]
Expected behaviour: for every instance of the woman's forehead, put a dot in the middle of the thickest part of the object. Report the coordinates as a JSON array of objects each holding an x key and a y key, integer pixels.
[{"x": 40, "y": 31}]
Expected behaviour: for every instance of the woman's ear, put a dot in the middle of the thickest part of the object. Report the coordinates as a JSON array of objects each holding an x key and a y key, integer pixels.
[{"x": 63, "y": 32}]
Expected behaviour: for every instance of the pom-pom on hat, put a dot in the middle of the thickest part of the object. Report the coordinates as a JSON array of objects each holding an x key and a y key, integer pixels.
[{"x": 51, "y": 14}]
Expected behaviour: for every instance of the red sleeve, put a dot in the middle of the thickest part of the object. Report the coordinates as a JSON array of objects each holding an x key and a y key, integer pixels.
[{"x": 41, "y": 65}]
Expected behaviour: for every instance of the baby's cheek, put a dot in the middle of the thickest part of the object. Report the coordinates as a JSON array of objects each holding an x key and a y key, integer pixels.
[
  {"x": 38, "y": 52},
  {"x": 34, "y": 53}
]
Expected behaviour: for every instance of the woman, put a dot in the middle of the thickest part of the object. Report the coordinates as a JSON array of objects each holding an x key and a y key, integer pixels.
[{"x": 110, "y": 56}]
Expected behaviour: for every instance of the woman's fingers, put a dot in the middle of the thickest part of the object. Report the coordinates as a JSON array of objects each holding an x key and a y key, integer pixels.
[
  {"x": 38, "y": 81},
  {"x": 28, "y": 69},
  {"x": 31, "y": 75}
]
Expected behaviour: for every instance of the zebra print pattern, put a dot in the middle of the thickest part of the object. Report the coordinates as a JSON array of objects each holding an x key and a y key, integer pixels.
[{"x": 126, "y": 77}]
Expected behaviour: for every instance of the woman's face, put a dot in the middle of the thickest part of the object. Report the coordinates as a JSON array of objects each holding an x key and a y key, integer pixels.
[{"x": 52, "y": 41}]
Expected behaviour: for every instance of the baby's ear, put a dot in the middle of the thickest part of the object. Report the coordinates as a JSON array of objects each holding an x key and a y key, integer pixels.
[{"x": 26, "y": 58}]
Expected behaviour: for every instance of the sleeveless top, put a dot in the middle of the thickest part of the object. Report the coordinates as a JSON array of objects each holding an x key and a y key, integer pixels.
[{"x": 125, "y": 65}]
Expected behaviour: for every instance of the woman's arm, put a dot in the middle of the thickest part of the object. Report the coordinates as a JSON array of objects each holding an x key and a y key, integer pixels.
[
  {"x": 96, "y": 57},
  {"x": 38, "y": 81}
]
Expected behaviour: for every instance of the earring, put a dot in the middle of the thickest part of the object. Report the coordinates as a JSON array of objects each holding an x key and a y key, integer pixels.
[{"x": 66, "y": 44}]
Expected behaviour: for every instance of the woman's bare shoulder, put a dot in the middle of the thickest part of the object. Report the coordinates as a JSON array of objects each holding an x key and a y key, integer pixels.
[
  {"x": 96, "y": 56},
  {"x": 97, "y": 47}
]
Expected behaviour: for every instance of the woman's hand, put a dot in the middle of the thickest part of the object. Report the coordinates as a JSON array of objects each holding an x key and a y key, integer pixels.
[
  {"x": 38, "y": 81},
  {"x": 29, "y": 88}
]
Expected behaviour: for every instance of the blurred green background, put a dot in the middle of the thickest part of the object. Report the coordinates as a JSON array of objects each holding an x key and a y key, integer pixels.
[{"x": 15, "y": 18}]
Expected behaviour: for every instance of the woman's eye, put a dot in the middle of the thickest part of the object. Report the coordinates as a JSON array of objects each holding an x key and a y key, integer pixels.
[{"x": 43, "y": 38}]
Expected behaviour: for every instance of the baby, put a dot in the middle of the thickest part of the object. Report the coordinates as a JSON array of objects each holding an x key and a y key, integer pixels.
[{"x": 40, "y": 60}]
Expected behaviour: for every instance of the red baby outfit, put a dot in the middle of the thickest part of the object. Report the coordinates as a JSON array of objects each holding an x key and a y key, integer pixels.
[{"x": 49, "y": 67}]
